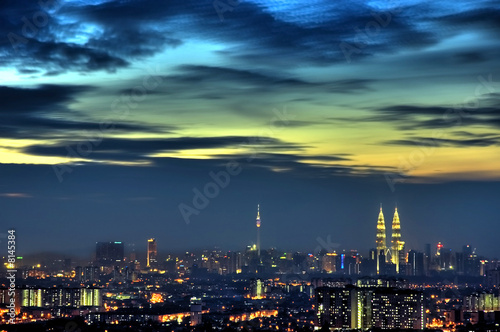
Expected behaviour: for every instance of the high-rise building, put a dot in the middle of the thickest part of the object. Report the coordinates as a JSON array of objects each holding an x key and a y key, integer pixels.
[
  {"x": 109, "y": 253},
  {"x": 392, "y": 308},
  {"x": 257, "y": 288},
  {"x": 90, "y": 274},
  {"x": 152, "y": 253},
  {"x": 395, "y": 240},
  {"x": 258, "y": 230},
  {"x": 416, "y": 263},
  {"x": 352, "y": 307},
  {"x": 196, "y": 311},
  {"x": 339, "y": 307},
  {"x": 74, "y": 297},
  {"x": 380, "y": 240}
]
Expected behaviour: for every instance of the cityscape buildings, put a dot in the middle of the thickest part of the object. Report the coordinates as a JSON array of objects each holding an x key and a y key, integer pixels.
[{"x": 326, "y": 289}]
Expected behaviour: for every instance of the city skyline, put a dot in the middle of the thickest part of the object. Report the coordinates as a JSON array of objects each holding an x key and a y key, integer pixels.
[
  {"x": 173, "y": 120},
  {"x": 393, "y": 253},
  {"x": 322, "y": 239}
]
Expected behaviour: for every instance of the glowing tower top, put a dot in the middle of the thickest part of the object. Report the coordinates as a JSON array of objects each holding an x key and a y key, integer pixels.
[
  {"x": 380, "y": 241},
  {"x": 397, "y": 246},
  {"x": 396, "y": 231},
  {"x": 258, "y": 215}
]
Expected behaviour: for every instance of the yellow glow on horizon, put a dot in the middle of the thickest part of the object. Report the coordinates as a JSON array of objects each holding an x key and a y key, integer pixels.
[
  {"x": 363, "y": 148},
  {"x": 8, "y": 156}
]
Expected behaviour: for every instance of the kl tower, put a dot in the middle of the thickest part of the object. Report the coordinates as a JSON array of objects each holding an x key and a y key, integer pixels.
[{"x": 258, "y": 230}]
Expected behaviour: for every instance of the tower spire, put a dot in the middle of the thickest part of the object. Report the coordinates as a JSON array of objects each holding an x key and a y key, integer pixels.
[
  {"x": 397, "y": 246},
  {"x": 380, "y": 240},
  {"x": 258, "y": 230}
]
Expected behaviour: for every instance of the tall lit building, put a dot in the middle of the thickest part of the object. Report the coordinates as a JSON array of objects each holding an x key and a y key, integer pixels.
[
  {"x": 152, "y": 253},
  {"x": 397, "y": 246},
  {"x": 351, "y": 307},
  {"x": 56, "y": 297},
  {"x": 196, "y": 311},
  {"x": 339, "y": 307},
  {"x": 258, "y": 230},
  {"x": 392, "y": 308},
  {"x": 380, "y": 241}
]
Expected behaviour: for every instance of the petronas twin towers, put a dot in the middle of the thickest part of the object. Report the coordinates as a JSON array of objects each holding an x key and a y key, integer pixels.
[{"x": 395, "y": 253}]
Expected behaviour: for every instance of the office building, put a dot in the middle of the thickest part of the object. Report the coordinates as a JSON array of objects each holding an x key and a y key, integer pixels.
[
  {"x": 109, "y": 253},
  {"x": 380, "y": 239},
  {"x": 397, "y": 245},
  {"x": 352, "y": 307},
  {"x": 152, "y": 256}
]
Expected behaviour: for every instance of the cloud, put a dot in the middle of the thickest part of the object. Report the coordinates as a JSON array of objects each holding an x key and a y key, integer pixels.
[
  {"x": 46, "y": 97},
  {"x": 484, "y": 17},
  {"x": 208, "y": 75},
  {"x": 142, "y": 148},
  {"x": 470, "y": 57},
  {"x": 263, "y": 153},
  {"x": 15, "y": 195},
  {"x": 440, "y": 142},
  {"x": 409, "y": 117},
  {"x": 415, "y": 117},
  {"x": 110, "y": 35},
  {"x": 44, "y": 112}
]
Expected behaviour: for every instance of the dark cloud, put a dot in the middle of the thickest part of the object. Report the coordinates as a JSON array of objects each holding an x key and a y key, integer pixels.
[
  {"x": 441, "y": 142},
  {"x": 110, "y": 35},
  {"x": 209, "y": 77},
  {"x": 470, "y": 57},
  {"x": 298, "y": 165},
  {"x": 484, "y": 18},
  {"x": 17, "y": 100},
  {"x": 61, "y": 56},
  {"x": 140, "y": 148},
  {"x": 408, "y": 117},
  {"x": 414, "y": 117},
  {"x": 285, "y": 158},
  {"x": 261, "y": 154},
  {"x": 43, "y": 112}
]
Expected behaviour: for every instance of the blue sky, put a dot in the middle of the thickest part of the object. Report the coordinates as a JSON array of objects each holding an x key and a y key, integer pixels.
[{"x": 319, "y": 98}]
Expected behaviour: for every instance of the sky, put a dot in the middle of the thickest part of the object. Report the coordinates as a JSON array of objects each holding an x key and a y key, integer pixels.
[{"x": 125, "y": 120}]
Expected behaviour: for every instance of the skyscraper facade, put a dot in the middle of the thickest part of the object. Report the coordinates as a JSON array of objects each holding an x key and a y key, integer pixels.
[
  {"x": 391, "y": 259},
  {"x": 397, "y": 246},
  {"x": 152, "y": 253},
  {"x": 108, "y": 253},
  {"x": 380, "y": 241},
  {"x": 352, "y": 307}
]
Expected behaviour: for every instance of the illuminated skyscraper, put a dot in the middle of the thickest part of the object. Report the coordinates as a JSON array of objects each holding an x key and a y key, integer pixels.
[
  {"x": 152, "y": 253},
  {"x": 258, "y": 230},
  {"x": 397, "y": 246},
  {"x": 380, "y": 241},
  {"x": 351, "y": 307},
  {"x": 196, "y": 310}
]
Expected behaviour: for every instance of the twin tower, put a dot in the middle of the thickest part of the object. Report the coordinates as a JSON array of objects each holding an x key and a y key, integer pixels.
[{"x": 396, "y": 252}]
